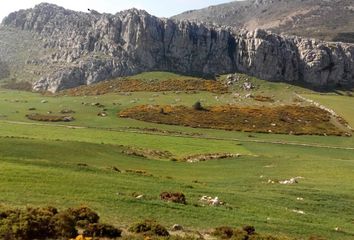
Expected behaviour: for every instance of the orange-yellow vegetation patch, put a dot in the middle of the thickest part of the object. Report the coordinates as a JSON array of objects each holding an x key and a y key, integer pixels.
[
  {"x": 131, "y": 85},
  {"x": 297, "y": 120}
]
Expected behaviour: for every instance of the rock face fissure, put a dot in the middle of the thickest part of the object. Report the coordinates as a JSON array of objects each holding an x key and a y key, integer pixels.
[{"x": 90, "y": 47}]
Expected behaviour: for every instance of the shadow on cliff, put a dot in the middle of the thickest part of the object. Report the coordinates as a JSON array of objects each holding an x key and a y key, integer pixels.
[{"x": 4, "y": 70}]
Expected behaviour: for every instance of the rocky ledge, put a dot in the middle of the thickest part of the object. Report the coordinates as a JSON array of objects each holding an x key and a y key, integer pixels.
[{"x": 91, "y": 47}]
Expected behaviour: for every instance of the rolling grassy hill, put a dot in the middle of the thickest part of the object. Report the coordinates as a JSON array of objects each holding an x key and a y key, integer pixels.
[{"x": 75, "y": 163}]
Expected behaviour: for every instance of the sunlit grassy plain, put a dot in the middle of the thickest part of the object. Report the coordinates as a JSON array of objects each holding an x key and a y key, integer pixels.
[{"x": 41, "y": 164}]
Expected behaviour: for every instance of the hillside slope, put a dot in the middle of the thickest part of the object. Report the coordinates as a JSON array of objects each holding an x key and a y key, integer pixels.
[
  {"x": 322, "y": 19},
  {"x": 66, "y": 49}
]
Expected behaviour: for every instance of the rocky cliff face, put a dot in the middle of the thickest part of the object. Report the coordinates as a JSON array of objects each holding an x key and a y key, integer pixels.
[
  {"x": 330, "y": 20},
  {"x": 85, "y": 48}
]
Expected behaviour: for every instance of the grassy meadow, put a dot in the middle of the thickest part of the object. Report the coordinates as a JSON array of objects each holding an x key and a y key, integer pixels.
[{"x": 70, "y": 164}]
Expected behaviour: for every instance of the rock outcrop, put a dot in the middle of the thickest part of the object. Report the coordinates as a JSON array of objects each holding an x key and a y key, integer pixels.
[
  {"x": 86, "y": 48},
  {"x": 329, "y": 20},
  {"x": 4, "y": 70}
]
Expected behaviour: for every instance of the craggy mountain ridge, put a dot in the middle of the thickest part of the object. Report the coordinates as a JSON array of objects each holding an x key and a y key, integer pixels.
[
  {"x": 330, "y": 20},
  {"x": 71, "y": 48}
]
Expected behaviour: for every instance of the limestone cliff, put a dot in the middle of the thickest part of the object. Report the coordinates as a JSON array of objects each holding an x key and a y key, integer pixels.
[{"x": 85, "y": 48}]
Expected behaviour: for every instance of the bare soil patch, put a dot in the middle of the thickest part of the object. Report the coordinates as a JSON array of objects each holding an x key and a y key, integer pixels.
[
  {"x": 292, "y": 119},
  {"x": 132, "y": 85}
]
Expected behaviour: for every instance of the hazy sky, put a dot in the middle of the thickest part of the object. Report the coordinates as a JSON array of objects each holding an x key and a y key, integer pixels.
[{"x": 160, "y": 8}]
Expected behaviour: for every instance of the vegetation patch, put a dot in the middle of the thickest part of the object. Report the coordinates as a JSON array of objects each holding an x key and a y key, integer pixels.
[
  {"x": 149, "y": 227},
  {"x": 147, "y": 153},
  {"x": 261, "y": 98},
  {"x": 210, "y": 156},
  {"x": 102, "y": 231},
  {"x": 247, "y": 232},
  {"x": 152, "y": 85},
  {"x": 49, "y": 223},
  {"x": 21, "y": 85},
  {"x": 173, "y": 197},
  {"x": 138, "y": 172},
  {"x": 49, "y": 118},
  {"x": 292, "y": 119}
]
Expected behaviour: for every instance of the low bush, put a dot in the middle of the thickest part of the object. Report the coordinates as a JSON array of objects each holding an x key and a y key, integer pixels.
[
  {"x": 198, "y": 106},
  {"x": 102, "y": 230},
  {"x": 223, "y": 232},
  {"x": 149, "y": 227},
  {"x": 63, "y": 225},
  {"x": 249, "y": 229},
  {"x": 35, "y": 223},
  {"x": 83, "y": 216},
  {"x": 48, "y": 223},
  {"x": 173, "y": 197}
]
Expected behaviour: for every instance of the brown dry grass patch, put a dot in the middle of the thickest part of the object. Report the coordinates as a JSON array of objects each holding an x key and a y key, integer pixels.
[
  {"x": 261, "y": 98},
  {"x": 132, "y": 85},
  {"x": 147, "y": 153},
  {"x": 49, "y": 118},
  {"x": 297, "y": 120}
]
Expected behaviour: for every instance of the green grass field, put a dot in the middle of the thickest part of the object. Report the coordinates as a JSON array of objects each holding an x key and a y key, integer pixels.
[{"x": 42, "y": 164}]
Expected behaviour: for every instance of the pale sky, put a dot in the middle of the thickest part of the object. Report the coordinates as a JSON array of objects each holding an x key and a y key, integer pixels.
[{"x": 160, "y": 8}]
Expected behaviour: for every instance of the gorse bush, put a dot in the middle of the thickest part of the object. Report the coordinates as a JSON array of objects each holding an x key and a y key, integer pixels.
[
  {"x": 63, "y": 225},
  {"x": 49, "y": 223},
  {"x": 149, "y": 227},
  {"x": 35, "y": 223},
  {"x": 102, "y": 230},
  {"x": 83, "y": 216},
  {"x": 224, "y": 232}
]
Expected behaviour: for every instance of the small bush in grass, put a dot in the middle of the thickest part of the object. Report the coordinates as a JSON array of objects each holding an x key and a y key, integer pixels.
[
  {"x": 35, "y": 223},
  {"x": 48, "y": 223},
  {"x": 224, "y": 232},
  {"x": 63, "y": 225},
  {"x": 249, "y": 229},
  {"x": 198, "y": 106},
  {"x": 149, "y": 227},
  {"x": 173, "y": 197},
  {"x": 83, "y": 216},
  {"x": 102, "y": 230}
]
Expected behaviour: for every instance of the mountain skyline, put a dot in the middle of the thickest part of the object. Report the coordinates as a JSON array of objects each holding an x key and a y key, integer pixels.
[{"x": 155, "y": 7}]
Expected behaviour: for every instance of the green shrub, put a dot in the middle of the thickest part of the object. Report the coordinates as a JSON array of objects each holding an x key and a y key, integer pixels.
[
  {"x": 47, "y": 223},
  {"x": 249, "y": 229},
  {"x": 173, "y": 197},
  {"x": 149, "y": 227},
  {"x": 83, "y": 216},
  {"x": 223, "y": 232},
  {"x": 31, "y": 223},
  {"x": 63, "y": 225},
  {"x": 102, "y": 230},
  {"x": 198, "y": 106}
]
